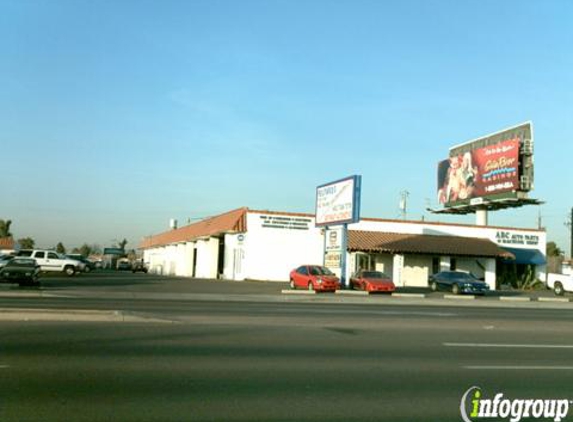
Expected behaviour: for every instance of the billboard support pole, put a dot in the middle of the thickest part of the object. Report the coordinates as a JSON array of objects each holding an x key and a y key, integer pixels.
[
  {"x": 481, "y": 217},
  {"x": 325, "y": 231},
  {"x": 343, "y": 281},
  {"x": 571, "y": 234}
]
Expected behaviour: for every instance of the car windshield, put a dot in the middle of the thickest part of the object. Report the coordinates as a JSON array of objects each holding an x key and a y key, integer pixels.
[
  {"x": 320, "y": 271},
  {"x": 373, "y": 274}
]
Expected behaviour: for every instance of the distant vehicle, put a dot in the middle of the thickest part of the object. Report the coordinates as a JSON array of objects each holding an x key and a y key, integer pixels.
[
  {"x": 51, "y": 261},
  {"x": 458, "y": 282},
  {"x": 314, "y": 277},
  {"x": 89, "y": 265},
  {"x": 4, "y": 259},
  {"x": 24, "y": 271},
  {"x": 372, "y": 281},
  {"x": 139, "y": 265},
  {"x": 124, "y": 265},
  {"x": 560, "y": 283}
]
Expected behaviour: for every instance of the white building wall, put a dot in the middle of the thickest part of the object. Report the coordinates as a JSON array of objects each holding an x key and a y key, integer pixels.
[
  {"x": 170, "y": 260},
  {"x": 207, "y": 253},
  {"x": 416, "y": 270},
  {"x": 276, "y": 244},
  {"x": 180, "y": 260},
  {"x": 234, "y": 257}
]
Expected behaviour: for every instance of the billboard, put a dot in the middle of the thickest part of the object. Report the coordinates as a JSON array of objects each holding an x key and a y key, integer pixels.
[
  {"x": 338, "y": 202},
  {"x": 497, "y": 166}
]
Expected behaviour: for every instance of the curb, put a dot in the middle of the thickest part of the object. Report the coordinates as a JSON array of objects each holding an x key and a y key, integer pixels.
[
  {"x": 407, "y": 295},
  {"x": 73, "y": 315},
  {"x": 351, "y": 292},
  {"x": 515, "y": 299},
  {"x": 462, "y": 297},
  {"x": 553, "y": 299},
  {"x": 297, "y": 292}
]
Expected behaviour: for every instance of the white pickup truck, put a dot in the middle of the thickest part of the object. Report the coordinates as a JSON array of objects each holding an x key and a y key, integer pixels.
[
  {"x": 560, "y": 283},
  {"x": 52, "y": 261}
]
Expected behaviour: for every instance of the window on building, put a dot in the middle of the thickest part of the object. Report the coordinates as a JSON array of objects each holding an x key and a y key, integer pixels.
[{"x": 453, "y": 264}]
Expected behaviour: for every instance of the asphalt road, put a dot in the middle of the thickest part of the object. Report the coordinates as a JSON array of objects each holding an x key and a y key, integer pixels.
[{"x": 247, "y": 361}]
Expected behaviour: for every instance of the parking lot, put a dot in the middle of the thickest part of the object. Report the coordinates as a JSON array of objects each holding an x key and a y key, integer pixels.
[{"x": 109, "y": 283}]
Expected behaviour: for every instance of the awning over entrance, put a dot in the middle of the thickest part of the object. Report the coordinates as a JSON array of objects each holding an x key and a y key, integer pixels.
[
  {"x": 527, "y": 256},
  {"x": 427, "y": 244}
]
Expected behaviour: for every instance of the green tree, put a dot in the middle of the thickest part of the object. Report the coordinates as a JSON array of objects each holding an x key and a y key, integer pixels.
[
  {"x": 5, "y": 228},
  {"x": 26, "y": 243},
  {"x": 553, "y": 250},
  {"x": 86, "y": 250},
  {"x": 60, "y": 248},
  {"x": 122, "y": 244}
]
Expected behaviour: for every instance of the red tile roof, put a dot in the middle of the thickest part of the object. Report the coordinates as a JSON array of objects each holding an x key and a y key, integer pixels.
[
  {"x": 367, "y": 241},
  {"x": 6, "y": 243},
  {"x": 232, "y": 221}
]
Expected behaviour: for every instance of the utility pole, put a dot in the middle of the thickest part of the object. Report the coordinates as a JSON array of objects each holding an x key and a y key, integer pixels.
[
  {"x": 404, "y": 203},
  {"x": 569, "y": 225}
]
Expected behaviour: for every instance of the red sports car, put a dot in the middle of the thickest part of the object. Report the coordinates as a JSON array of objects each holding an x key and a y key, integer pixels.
[
  {"x": 372, "y": 281},
  {"x": 314, "y": 277}
]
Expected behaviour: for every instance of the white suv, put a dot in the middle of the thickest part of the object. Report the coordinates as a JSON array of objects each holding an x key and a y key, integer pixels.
[{"x": 52, "y": 261}]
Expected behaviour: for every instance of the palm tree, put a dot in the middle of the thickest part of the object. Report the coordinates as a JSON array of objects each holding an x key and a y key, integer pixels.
[{"x": 5, "y": 228}]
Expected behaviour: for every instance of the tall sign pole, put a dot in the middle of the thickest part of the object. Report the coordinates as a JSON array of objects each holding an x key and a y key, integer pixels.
[{"x": 569, "y": 225}]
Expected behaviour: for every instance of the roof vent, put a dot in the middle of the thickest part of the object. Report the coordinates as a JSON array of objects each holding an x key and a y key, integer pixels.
[{"x": 173, "y": 223}]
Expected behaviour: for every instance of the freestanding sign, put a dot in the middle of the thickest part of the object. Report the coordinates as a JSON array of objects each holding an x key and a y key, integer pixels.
[
  {"x": 337, "y": 205},
  {"x": 338, "y": 202}
]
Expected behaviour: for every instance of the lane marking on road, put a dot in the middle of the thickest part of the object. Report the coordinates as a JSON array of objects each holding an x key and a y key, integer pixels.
[
  {"x": 4, "y": 366},
  {"x": 512, "y": 346},
  {"x": 519, "y": 368}
]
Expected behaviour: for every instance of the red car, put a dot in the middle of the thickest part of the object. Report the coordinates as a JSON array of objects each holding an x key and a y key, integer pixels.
[
  {"x": 314, "y": 277},
  {"x": 372, "y": 281}
]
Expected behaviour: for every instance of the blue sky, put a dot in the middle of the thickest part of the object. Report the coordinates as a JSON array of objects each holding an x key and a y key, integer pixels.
[{"x": 116, "y": 116}]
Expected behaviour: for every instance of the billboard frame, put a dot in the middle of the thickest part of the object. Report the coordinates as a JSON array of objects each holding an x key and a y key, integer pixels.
[{"x": 523, "y": 182}]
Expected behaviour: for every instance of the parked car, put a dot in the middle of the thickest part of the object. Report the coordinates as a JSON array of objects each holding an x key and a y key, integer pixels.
[
  {"x": 123, "y": 265},
  {"x": 314, "y": 277},
  {"x": 51, "y": 261},
  {"x": 458, "y": 282},
  {"x": 24, "y": 271},
  {"x": 139, "y": 265},
  {"x": 372, "y": 281},
  {"x": 89, "y": 265},
  {"x": 560, "y": 283}
]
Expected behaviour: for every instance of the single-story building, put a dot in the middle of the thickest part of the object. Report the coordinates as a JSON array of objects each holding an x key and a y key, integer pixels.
[
  {"x": 265, "y": 245},
  {"x": 7, "y": 245}
]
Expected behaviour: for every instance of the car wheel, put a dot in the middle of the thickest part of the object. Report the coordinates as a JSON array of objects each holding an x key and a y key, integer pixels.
[
  {"x": 87, "y": 269},
  {"x": 310, "y": 287},
  {"x": 455, "y": 289},
  {"x": 558, "y": 289},
  {"x": 69, "y": 270},
  {"x": 291, "y": 284},
  {"x": 434, "y": 286}
]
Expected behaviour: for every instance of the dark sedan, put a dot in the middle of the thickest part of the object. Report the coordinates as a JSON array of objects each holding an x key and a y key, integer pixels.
[
  {"x": 457, "y": 282},
  {"x": 22, "y": 270},
  {"x": 90, "y": 266}
]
